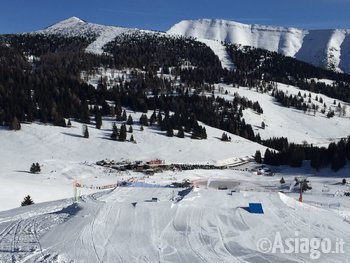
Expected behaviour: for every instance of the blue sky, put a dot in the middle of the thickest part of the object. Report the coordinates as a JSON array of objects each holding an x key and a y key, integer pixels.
[{"x": 30, "y": 15}]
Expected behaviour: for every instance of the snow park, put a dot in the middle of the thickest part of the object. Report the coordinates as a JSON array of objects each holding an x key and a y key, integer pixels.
[{"x": 204, "y": 140}]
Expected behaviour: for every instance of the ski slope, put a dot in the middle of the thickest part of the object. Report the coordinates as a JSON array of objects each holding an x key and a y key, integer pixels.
[
  {"x": 220, "y": 51},
  {"x": 123, "y": 225},
  {"x": 325, "y": 48}
]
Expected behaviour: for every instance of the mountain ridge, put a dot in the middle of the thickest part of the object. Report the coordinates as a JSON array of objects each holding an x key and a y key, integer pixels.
[{"x": 327, "y": 48}]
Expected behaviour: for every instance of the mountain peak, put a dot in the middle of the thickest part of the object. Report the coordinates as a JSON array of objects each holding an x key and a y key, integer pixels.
[
  {"x": 74, "y": 19},
  {"x": 68, "y": 22},
  {"x": 72, "y": 26}
]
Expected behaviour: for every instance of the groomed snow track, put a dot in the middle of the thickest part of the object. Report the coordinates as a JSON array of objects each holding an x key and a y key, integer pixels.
[{"x": 206, "y": 226}]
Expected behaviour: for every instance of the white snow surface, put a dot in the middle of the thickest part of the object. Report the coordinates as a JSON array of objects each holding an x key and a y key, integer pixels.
[
  {"x": 207, "y": 225},
  {"x": 326, "y": 48},
  {"x": 297, "y": 126}
]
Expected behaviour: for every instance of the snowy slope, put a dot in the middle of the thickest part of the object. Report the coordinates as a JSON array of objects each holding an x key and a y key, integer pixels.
[
  {"x": 294, "y": 124},
  {"x": 325, "y": 48},
  {"x": 66, "y": 156},
  {"x": 206, "y": 226}
]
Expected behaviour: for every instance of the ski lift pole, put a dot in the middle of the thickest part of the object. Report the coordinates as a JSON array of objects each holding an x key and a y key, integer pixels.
[
  {"x": 74, "y": 191},
  {"x": 301, "y": 193}
]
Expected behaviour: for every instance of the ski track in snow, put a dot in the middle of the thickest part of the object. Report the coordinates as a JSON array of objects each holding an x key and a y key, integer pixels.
[
  {"x": 20, "y": 240},
  {"x": 107, "y": 36},
  {"x": 219, "y": 50}
]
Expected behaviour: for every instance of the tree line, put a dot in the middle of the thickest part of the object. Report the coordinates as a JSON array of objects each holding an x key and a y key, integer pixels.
[{"x": 336, "y": 155}]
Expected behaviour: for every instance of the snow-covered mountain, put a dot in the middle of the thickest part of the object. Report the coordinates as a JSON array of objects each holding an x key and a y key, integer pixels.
[
  {"x": 74, "y": 27},
  {"x": 325, "y": 48}
]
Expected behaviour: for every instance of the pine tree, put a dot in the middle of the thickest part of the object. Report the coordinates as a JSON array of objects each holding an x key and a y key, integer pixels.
[
  {"x": 159, "y": 117},
  {"x": 37, "y": 168},
  {"x": 203, "y": 133},
  {"x": 123, "y": 117},
  {"x": 164, "y": 125},
  {"x": 114, "y": 134},
  {"x": 132, "y": 138},
  {"x": 282, "y": 181},
  {"x": 170, "y": 132},
  {"x": 27, "y": 201},
  {"x": 32, "y": 168},
  {"x": 122, "y": 133},
  {"x": 224, "y": 137},
  {"x": 144, "y": 120},
  {"x": 153, "y": 118},
  {"x": 130, "y": 121},
  {"x": 118, "y": 113},
  {"x": 84, "y": 113},
  {"x": 268, "y": 157},
  {"x": 14, "y": 124},
  {"x": 141, "y": 129},
  {"x": 98, "y": 119},
  {"x": 59, "y": 121},
  {"x": 330, "y": 114},
  {"x": 69, "y": 124},
  {"x": 257, "y": 157},
  {"x": 130, "y": 130},
  {"x": 180, "y": 133}
]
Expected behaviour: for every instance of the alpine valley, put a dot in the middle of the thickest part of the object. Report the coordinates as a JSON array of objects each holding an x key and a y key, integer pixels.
[{"x": 144, "y": 146}]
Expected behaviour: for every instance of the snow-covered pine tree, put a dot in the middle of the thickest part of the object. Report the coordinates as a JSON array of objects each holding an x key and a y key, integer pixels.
[{"x": 27, "y": 201}]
